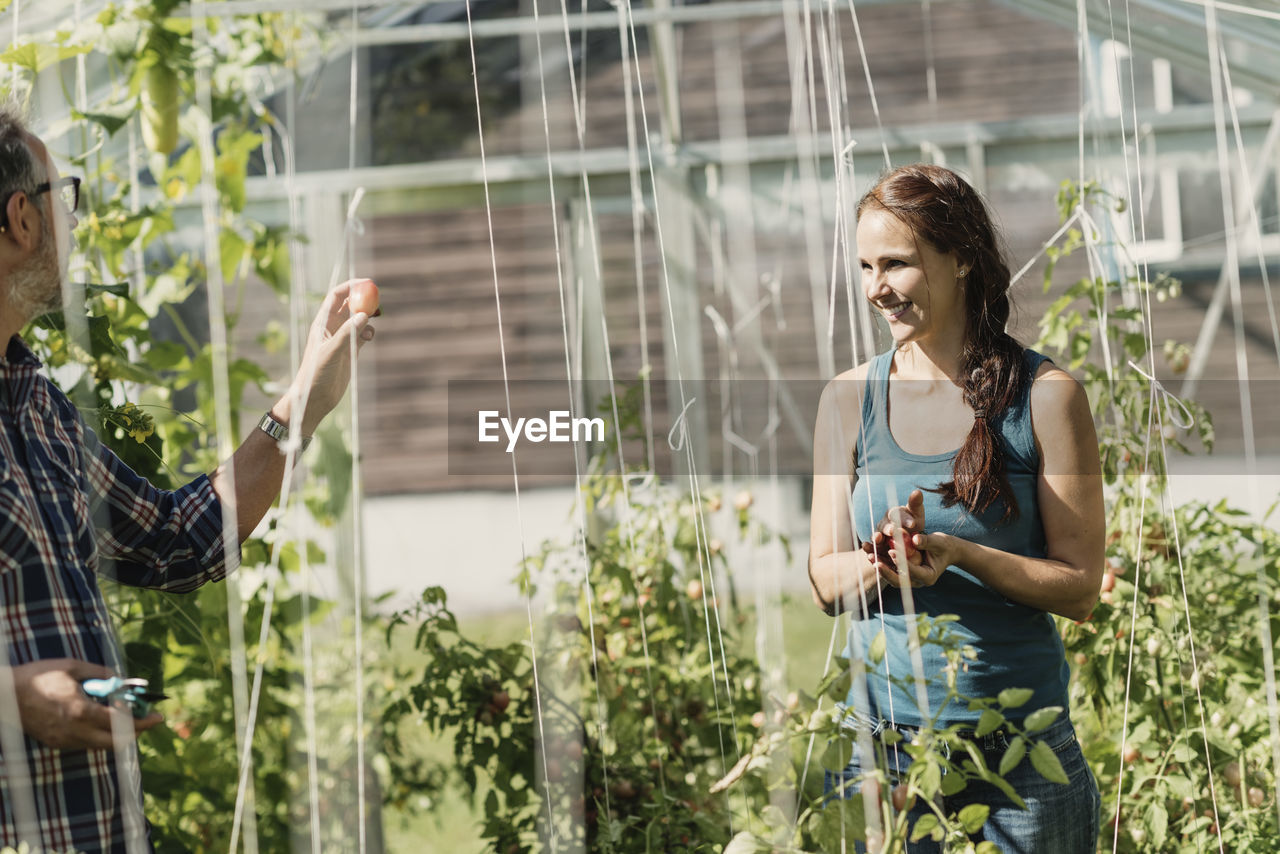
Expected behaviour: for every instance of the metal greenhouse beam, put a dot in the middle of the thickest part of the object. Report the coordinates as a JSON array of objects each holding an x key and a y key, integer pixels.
[
  {"x": 1158, "y": 38},
  {"x": 1185, "y": 129}
]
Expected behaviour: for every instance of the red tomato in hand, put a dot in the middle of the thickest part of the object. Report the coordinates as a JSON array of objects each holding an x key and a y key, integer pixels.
[{"x": 364, "y": 298}]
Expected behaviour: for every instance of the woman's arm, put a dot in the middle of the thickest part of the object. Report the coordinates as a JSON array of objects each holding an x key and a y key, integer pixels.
[
  {"x": 840, "y": 573},
  {"x": 1069, "y": 491}
]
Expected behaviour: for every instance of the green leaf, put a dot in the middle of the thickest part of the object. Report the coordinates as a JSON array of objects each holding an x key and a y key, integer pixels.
[
  {"x": 931, "y": 778},
  {"x": 119, "y": 289},
  {"x": 100, "y": 340},
  {"x": 1044, "y": 760},
  {"x": 876, "y": 653},
  {"x": 1157, "y": 825},
  {"x": 838, "y": 755},
  {"x": 232, "y": 164},
  {"x": 838, "y": 689},
  {"x": 185, "y": 169},
  {"x": 953, "y": 784},
  {"x": 975, "y": 754},
  {"x": 1003, "y": 785},
  {"x": 1041, "y": 718},
  {"x": 927, "y": 825},
  {"x": 1080, "y": 344},
  {"x": 973, "y": 817},
  {"x": 232, "y": 248},
  {"x": 987, "y": 847},
  {"x": 110, "y": 118},
  {"x": 271, "y": 259},
  {"x": 837, "y": 825},
  {"x": 1012, "y": 756},
  {"x": 988, "y": 723},
  {"x": 1012, "y": 698},
  {"x": 121, "y": 38},
  {"x": 165, "y": 355},
  {"x": 165, "y": 289},
  {"x": 1135, "y": 344},
  {"x": 1056, "y": 307},
  {"x": 122, "y": 369},
  {"x": 747, "y": 843},
  {"x": 38, "y": 57}
]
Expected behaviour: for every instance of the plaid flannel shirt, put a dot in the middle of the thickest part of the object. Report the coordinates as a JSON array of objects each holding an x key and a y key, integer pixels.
[{"x": 70, "y": 509}]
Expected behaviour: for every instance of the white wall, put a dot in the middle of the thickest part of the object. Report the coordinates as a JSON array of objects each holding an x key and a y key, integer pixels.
[{"x": 470, "y": 542}]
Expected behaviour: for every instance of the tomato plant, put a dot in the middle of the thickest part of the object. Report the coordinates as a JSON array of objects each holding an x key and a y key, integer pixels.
[
  {"x": 1169, "y": 685},
  {"x": 149, "y": 394},
  {"x": 640, "y": 700}
]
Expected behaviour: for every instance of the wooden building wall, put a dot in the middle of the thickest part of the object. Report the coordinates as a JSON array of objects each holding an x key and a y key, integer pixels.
[{"x": 438, "y": 283}]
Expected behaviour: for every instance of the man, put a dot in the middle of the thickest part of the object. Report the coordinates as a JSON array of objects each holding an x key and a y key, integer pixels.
[{"x": 70, "y": 508}]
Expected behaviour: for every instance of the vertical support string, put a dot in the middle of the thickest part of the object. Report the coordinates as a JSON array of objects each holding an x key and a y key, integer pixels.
[
  {"x": 502, "y": 349},
  {"x": 297, "y": 321},
  {"x": 539, "y": 719},
  {"x": 20, "y": 791},
  {"x": 223, "y": 424},
  {"x": 1222, "y": 92},
  {"x": 357, "y": 482},
  {"x": 1143, "y": 297}
]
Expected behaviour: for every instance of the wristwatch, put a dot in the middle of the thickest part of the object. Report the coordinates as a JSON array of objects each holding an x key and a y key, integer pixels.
[{"x": 278, "y": 431}]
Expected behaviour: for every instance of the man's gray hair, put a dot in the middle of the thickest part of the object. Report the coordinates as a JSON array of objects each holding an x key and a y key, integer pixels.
[{"x": 18, "y": 167}]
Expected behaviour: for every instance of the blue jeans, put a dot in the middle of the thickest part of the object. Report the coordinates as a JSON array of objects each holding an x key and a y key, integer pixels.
[{"x": 1059, "y": 819}]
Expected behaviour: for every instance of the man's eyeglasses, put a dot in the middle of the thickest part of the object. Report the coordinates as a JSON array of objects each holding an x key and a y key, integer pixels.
[{"x": 68, "y": 189}]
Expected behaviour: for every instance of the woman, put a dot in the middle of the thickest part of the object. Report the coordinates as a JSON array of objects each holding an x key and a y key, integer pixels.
[{"x": 965, "y": 467}]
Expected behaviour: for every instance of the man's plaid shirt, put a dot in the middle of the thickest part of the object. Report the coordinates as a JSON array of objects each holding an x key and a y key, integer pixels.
[{"x": 69, "y": 510}]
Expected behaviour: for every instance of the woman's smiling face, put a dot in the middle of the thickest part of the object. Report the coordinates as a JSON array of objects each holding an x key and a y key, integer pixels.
[{"x": 915, "y": 287}]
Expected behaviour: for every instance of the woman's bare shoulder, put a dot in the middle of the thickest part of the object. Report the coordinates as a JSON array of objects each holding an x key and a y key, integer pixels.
[
  {"x": 1058, "y": 401},
  {"x": 843, "y": 392},
  {"x": 1054, "y": 386}
]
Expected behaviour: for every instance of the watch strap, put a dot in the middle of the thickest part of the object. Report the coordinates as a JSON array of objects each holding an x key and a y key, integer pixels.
[{"x": 278, "y": 431}]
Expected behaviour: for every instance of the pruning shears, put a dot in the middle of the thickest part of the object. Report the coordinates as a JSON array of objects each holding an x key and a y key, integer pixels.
[{"x": 116, "y": 690}]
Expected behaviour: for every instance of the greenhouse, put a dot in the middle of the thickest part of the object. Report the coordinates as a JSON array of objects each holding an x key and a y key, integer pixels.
[{"x": 610, "y": 539}]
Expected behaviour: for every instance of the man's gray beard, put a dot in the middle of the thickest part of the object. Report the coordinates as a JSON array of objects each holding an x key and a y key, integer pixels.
[{"x": 35, "y": 288}]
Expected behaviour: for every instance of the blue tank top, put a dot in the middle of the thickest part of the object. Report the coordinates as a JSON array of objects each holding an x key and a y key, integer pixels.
[{"x": 1017, "y": 646}]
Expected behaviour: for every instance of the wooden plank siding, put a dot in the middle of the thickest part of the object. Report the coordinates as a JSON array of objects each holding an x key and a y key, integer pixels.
[{"x": 434, "y": 268}]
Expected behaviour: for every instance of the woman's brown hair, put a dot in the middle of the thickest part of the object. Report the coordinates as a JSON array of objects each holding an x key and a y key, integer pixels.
[{"x": 942, "y": 209}]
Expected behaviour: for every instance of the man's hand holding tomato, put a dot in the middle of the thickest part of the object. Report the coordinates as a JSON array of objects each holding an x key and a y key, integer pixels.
[
  {"x": 363, "y": 298},
  {"x": 326, "y": 362},
  {"x": 337, "y": 333}
]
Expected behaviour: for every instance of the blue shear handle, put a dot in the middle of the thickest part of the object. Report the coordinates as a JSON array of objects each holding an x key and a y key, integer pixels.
[
  {"x": 102, "y": 689},
  {"x": 107, "y": 690}
]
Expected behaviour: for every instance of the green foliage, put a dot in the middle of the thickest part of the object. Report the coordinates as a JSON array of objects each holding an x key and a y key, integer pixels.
[
  {"x": 148, "y": 393},
  {"x": 640, "y": 704},
  {"x": 641, "y": 699},
  {"x": 1174, "y": 647},
  {"x": 943, "y": 763}
]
